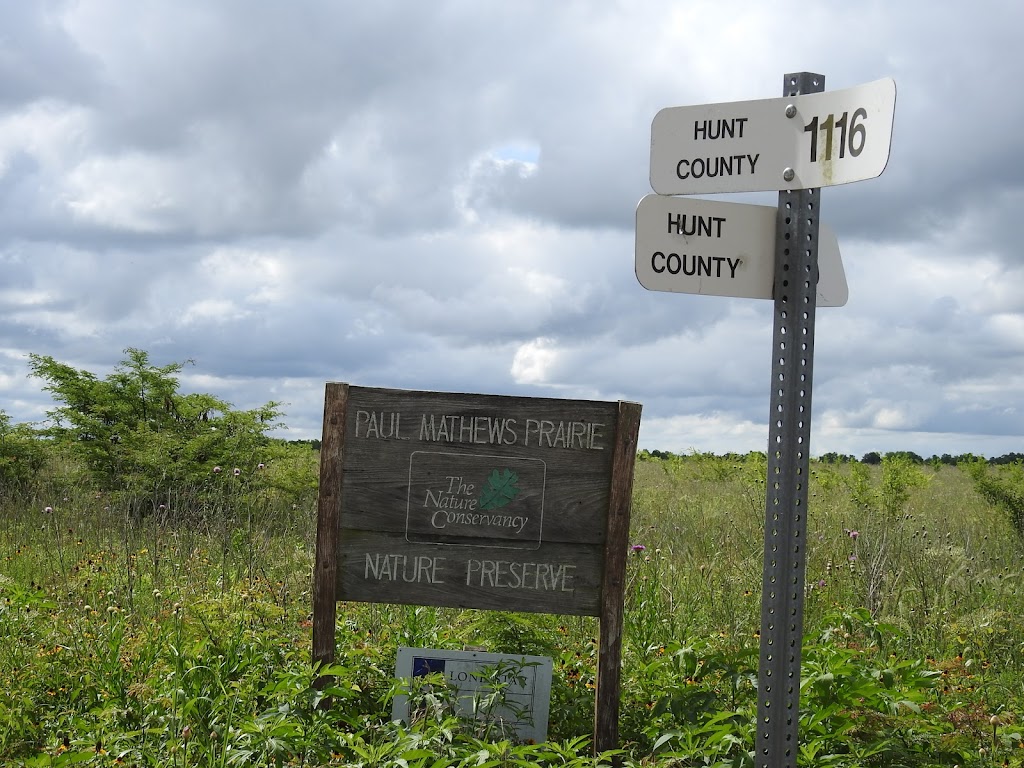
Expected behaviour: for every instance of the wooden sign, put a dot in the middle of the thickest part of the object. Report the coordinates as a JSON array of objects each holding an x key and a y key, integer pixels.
[
  {"x": 476, "y": 501},
  {"x": 471, "y": 501}
]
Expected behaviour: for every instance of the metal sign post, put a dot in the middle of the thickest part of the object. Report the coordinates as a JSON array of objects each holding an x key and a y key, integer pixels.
[
  {"x": 796, "y": 144},
  {"x": 782, "y": 592}
]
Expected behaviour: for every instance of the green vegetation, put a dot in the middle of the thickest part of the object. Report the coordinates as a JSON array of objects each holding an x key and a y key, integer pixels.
[
  {"x": 156, "y": 611},
  {"x": 138, "y": 437}
]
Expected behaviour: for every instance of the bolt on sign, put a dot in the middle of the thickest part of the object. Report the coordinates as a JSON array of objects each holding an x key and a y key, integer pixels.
[{"x": 474, "y": 501}]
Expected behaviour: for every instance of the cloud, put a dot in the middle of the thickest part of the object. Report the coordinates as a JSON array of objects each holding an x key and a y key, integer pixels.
[{"x": 442, "y": 196}]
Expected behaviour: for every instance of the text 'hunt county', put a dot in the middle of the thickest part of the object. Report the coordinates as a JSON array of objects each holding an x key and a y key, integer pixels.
[{"x": 722, "y": 165}]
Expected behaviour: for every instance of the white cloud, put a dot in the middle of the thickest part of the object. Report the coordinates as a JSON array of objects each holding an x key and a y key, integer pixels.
[
  {"x": 706, "y": 432},
  {"x": 133, "y": 193},
  {"x": 47, "y": 131},
  {"x": 533, "y": 362},
  {"x": 269, "y": 190}
]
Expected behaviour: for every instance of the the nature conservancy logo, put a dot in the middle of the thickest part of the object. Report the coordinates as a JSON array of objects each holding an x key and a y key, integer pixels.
[
  {"x": 500, "y": 489},
  {"x": 475, "y": 500}
]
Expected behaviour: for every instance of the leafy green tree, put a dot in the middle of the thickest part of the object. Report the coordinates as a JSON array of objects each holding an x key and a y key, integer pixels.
[
  {"x": 836, "y": 458},
  {"x": 912, "y": 457},
  {"x": 1008, "y": 458},
  {"x": 138, "y": 435},
  {"x": 22, "y": 455},
  {"x": 1002, "y": 486}
]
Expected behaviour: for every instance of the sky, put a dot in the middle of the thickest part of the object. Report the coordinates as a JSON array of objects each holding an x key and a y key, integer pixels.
[{"x": 442, "y": 196}]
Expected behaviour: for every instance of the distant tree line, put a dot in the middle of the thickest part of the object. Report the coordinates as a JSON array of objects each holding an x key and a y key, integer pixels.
[
  {"x": 999, "y": 480},
  {"x": 871, "y": 457},
  {"x": 135, "y": 434},
  {"x": 874, "y": 457}
]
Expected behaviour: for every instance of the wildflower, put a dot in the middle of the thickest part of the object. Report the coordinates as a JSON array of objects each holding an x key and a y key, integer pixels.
[
  {"x": 637, "y": 548},
  {"x": 237, "y": 471},
  {"x": 162, "y": 507},
  {"x": 821, "y": 583},
  {"x": 216, "y": 470},
  {"x": 854, "y": 535},
  {"x": 261, "y": 465},
  {"x": 186, "y": 733},
  {"x": 48, "y": 510},
  {"x": 852, "y": 558}
]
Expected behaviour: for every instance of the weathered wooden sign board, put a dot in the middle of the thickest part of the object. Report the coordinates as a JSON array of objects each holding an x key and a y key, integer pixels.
[{"x": 476, "y": 501}]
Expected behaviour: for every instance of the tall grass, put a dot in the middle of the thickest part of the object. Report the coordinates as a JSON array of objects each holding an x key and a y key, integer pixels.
[{"x": 182, "y": 636}]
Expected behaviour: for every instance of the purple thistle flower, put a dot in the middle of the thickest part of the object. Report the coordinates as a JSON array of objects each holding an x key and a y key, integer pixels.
[
  {"x": 637, "y": 548},
  {"x": 216, "y": 470},
  {"x": 854, "y": 535}
]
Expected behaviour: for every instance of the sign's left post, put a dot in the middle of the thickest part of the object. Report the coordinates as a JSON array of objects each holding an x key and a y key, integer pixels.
[{"x": 325, "y": 571}]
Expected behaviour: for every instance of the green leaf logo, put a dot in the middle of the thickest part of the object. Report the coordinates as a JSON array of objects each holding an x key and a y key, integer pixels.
[{"x": 500, "y": 489}]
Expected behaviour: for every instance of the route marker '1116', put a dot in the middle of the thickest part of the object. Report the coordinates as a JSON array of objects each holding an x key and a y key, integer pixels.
[{"x": 799, "y": 142}]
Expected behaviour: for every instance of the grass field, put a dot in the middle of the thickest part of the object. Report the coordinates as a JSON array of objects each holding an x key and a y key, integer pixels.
[{"x": 184, "y": 640}]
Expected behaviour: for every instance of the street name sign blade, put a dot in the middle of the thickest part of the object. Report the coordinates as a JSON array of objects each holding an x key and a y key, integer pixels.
[
  {"x": 713, "y": 248},
  {"x": 799, "y": 142}
]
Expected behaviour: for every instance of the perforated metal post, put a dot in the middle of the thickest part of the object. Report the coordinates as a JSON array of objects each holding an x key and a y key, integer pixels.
[{"x": 796, "y": 278}]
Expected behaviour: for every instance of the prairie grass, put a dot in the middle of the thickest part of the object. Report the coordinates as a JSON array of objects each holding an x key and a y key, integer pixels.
[{"x": 182, "y": 637}]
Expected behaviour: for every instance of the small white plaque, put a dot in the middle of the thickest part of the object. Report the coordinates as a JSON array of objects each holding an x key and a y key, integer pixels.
[{"x": 522, "y": 709}]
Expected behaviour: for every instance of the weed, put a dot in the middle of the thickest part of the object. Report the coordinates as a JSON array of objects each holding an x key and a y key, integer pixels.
[{"x": 180, "y": 637}]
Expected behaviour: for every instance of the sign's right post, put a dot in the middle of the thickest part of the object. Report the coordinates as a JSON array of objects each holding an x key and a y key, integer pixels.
[{"x": 796, "y": 278}]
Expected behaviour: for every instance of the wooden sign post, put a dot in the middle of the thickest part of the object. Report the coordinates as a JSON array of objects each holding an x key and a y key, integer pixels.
[{"x": 477, "y": 501}]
